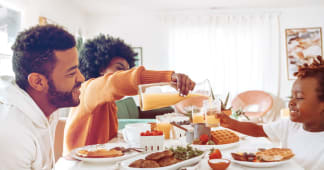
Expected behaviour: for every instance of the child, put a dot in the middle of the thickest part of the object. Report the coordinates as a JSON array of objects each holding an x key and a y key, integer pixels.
[{"x": 304, "y": 132}]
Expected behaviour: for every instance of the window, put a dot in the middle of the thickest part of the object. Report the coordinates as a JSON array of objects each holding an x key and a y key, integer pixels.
[{"x": 10, "y": 23}]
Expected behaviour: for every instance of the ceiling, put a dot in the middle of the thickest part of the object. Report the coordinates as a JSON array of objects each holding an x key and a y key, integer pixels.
[{"x": 131, "y": 6}]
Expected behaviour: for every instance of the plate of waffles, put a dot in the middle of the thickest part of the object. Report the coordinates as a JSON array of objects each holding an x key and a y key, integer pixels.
[
  {"x": 103, "y": 153},
  {"x": 263, "y": 158},
  {"x": 220, "y": 139}
]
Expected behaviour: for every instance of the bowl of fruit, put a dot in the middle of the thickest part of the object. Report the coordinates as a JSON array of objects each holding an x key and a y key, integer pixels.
[
  {"x": 152, "y": 140},
  {"x": 216, "y": 162}
]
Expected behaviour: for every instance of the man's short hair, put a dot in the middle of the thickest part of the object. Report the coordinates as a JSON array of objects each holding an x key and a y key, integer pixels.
[{"x": 33, "y": 51}]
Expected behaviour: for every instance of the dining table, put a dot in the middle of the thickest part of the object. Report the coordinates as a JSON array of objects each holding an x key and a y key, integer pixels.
[{"x": 66, "y": 163}]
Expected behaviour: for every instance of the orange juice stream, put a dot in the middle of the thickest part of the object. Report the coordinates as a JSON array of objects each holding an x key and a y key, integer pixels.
[{"x": 159, "y": 100}]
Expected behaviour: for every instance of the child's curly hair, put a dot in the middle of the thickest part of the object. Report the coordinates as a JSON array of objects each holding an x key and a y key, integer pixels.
[
  {"x": 315, "y": 70},
  {"x": 97, "y": 53}
]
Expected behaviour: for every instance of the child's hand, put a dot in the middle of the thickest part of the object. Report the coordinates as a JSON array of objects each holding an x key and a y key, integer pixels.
[
  {"x": 184, "y": 83},
  {"x": 224, "y": 120}
]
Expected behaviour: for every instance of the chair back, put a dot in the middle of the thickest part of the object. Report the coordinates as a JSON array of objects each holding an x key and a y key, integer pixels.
[
  {"x": 127, "y": 109},
  {"x": 254, "y": 103}
]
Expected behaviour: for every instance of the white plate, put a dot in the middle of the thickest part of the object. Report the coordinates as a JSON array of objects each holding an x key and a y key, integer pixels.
[
  {"x": 107, "y": 160},
  {"x": 125, "y": 164},
  {"x": 222, "y": 147},
  {"x": 259, "y": 164}
]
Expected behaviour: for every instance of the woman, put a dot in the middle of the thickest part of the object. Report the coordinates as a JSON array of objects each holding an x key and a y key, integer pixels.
[{"x": 105, "y": 62}]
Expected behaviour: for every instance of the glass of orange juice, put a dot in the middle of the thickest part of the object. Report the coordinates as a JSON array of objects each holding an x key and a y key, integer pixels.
[
  {"x": 211, "y": 108},
  {"x": 197, "y": 115},
  {"x": 164, "y": 126}
]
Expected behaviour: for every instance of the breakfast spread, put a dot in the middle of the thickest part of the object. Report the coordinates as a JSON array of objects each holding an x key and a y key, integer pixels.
[
  {"x": 274, "y": 154},
  {"x": 224, "y": 136},
  {"x": 99, "y": 153},
  {"x": 265, "y": 155},
  {"x": 217, "y": 137},
  {"x": 166, "y": 158}
]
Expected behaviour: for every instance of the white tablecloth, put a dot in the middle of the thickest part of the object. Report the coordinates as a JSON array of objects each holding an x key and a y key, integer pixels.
[{"x": 247, "y": 142}]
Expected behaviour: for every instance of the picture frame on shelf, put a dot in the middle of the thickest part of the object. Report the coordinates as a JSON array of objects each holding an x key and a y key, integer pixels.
[
  {"x": 303, "y": 45},
  {"x": 139, "y": 57}
]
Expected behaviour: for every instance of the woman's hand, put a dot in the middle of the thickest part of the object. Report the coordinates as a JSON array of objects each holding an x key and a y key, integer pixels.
[{"x": 184, "y": 83}]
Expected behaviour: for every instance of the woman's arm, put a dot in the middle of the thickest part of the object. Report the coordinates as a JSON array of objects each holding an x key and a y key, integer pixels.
[{"x": 112, "y": 87}]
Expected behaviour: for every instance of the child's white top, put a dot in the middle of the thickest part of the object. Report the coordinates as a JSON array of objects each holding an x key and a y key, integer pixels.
[{"x": 308, "y": 147}]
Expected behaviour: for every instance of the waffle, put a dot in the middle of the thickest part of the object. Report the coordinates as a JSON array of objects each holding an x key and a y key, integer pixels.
[
  {"x": 274, "y": 154},
  {"x": 223, "y": 136}
]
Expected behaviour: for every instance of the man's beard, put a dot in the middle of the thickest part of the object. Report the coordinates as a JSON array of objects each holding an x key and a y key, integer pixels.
[{"x": 61, "y": 99}]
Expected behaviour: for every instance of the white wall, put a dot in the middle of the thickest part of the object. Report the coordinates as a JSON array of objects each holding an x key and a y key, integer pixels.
[
  {"x": 149, "y": 32},
  {"x": 60, "y": 11},
  {"x": 296, "y": 18},
  {"x": 146, "y": 31}
]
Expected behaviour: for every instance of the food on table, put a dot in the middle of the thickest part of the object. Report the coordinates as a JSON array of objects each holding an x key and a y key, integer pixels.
[
  {"x": 267, "y": 155},
  {"x": 100, "y": 153},
  {"x": 141, "y": 163},
  {"x": 184, "y": 153},
  {"x": 166, "y": 158},
  {"x": 274, "y": 154},
  {"x": 215, "y": 154},
  {"x": 159, "y": 155},
  {"x": 245, "y": 156},
  {"x": 152, "y": 133},
  {"x": 224, "y": 136},
  {"x": 166, "y": 161},
  {"x": 217, "y": 137},
  {"x": 137, "y": 163},
  {"x": 219, "y": 164},
  {"x": 204, "y": 138}
]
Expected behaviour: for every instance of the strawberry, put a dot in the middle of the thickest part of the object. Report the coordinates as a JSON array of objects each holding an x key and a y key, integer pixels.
[
  {"x": 216, "y": 154},
  {"x": 204, "y": 138}
]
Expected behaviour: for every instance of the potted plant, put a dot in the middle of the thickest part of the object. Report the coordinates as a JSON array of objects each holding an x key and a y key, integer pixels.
[
  {"x": 224, "y": 108},
  {"x": 239, "y": 113}
]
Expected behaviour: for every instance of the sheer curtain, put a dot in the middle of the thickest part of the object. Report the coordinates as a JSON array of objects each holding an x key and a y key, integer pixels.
[{"x": 236, "y": 53}]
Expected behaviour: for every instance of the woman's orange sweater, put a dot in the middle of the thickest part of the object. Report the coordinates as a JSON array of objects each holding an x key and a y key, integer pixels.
[{"x": 94, "y": 120}]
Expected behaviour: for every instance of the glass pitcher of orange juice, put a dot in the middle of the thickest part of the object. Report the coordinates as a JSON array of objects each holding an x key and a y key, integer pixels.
[{"x": 158, "y": 95}]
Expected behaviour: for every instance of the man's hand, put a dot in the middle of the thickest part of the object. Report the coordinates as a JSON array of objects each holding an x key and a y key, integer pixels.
[{"x": 184, "y": 83}]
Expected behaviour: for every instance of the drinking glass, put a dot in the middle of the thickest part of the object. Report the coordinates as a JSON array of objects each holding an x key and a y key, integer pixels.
[
  {"x": 210, "y": 109},
  {"x": 198, "y": 115},
  {"x": 163, "y": 124}
]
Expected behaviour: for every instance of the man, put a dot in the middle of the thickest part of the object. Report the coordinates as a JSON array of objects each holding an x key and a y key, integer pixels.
[{"x": 45, "y": 63}]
